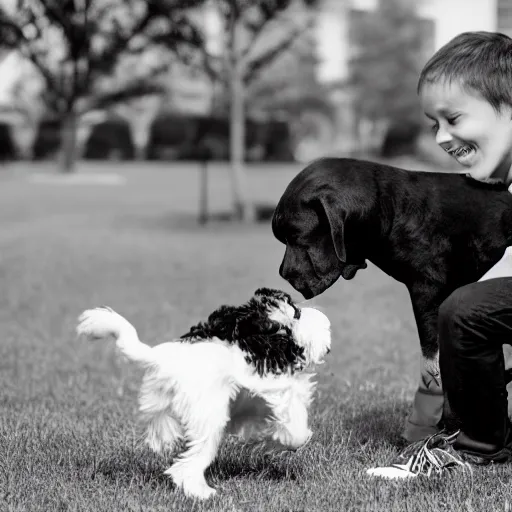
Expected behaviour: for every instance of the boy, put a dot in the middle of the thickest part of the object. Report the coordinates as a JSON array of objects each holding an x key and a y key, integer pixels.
[{"x": 466, "y": 92}]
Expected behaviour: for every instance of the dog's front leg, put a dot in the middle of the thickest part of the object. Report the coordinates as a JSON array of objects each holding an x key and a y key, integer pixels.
[
  {"x": 291, "y": 430},
  {"x": 288, "y": 437},
  {"x": 428, "y": 404}
]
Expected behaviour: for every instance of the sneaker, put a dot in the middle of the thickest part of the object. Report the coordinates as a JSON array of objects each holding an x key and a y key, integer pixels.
[
  {"x": 481, "y": 454},
  {"x": 433, "y": 455}
]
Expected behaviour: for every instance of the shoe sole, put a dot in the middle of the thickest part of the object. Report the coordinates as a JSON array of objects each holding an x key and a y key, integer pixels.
[{"x": 504, "y": 455}]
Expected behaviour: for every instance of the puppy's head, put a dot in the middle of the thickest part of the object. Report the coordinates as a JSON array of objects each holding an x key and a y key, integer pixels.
[
  {"x": 311, "y": 329},
  {"x": 326, "y": 218},
  {"x": 270, "y": 330}
]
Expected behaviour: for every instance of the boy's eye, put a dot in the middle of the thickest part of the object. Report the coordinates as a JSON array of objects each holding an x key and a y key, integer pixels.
[{"x": 452, "y": 119}]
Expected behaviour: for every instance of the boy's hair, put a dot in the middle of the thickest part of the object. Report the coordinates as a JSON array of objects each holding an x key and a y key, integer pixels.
[{"x": 480, "y": 61}]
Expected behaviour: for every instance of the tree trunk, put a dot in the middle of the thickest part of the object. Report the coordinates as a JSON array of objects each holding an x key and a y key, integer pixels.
[
  {"x": 140, "y": 152},
  {"x": 140, "y": 134},
  {"x": 68, "y": 142},
  {"x": 25, "y": 134},
  {"x": 243, "y": 209},
  {"x": 82, "y": 134},
  {"x": 203, "y": 193}
]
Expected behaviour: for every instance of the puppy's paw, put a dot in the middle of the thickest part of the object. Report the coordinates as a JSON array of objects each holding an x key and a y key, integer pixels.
[
  {"x": 201, "y": 491},
  {"x": 193, "y": 486}
]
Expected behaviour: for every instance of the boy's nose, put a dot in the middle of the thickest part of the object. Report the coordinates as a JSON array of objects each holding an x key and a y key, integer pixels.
[{"x": 443, "y": 137}]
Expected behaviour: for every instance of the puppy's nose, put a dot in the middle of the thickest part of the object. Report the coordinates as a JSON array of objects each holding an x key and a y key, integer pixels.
[{"x": 328, "y": 350}]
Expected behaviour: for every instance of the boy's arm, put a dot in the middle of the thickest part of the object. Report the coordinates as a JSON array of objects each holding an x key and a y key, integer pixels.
[{"x": 502, "y": 269}]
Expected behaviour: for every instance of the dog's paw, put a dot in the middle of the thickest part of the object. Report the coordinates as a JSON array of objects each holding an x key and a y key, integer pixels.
[
  {"x": 192, "y": 486},
  {"x": 199, "y": 491},
  {"x": 430, "y": 372}
]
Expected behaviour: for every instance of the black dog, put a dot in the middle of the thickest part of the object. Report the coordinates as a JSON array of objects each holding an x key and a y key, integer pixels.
[{"x": 432, "y": 232}]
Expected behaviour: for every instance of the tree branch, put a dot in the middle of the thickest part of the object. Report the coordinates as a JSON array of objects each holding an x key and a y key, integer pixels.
[
  {"x": 51, "y": 83},
  {"x": 269, "y": 11},
  {"x": 60, "y": 16},
  {"x": 138, "y": 87},
  {"x": 135, "y": 90},
  {"x": 256, "y": 65},
  {"x": 206, "y": 63},
  {"x": 105, "y": 60}
]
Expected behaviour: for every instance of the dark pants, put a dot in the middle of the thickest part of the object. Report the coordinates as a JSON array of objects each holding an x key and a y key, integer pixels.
[{"x": 475, "y": 322}]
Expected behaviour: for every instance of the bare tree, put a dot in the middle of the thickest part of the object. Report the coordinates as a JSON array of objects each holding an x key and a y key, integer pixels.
[
  {"x": 77, "y": 47},
  {"x": 257, "y": 33}
]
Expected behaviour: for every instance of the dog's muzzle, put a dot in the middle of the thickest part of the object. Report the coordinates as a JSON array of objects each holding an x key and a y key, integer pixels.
[{"x": 314, "y": 334}]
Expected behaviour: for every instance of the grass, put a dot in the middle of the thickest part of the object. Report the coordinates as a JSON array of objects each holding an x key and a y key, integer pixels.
[{"x": 68, "y": 431}]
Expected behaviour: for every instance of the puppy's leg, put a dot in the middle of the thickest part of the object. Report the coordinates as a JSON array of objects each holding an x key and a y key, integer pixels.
[
  {"x": 163, "y": 427},
  {"x": 163, "y": 432},
  {"x": 291, "y": 435},
  {"x": 291, "y": 430},
  {"x": 204, "y": 431}
]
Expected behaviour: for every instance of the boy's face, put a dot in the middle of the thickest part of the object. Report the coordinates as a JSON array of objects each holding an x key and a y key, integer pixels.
[{"x": 467, "y": 127}]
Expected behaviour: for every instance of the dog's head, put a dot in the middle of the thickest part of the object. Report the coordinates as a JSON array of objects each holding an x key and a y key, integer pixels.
[
  {"x": 276, "y": 335},
  {"x": 326, "y": 218}
]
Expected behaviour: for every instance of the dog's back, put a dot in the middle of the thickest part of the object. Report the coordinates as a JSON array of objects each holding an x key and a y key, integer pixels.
[
  {"x": 463, "y": 226},
  {"x": 444, "y": 221}
]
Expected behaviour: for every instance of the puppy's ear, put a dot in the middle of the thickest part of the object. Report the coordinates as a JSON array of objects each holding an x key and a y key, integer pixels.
[
  {"x": 269, "y": 345},
  {"x": 255, "y": 323},
  {"x": 221, "y": 323},
  {"x": 343, "y": 224}
]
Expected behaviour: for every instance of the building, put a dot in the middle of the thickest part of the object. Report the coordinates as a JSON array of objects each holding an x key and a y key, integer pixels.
[
  {"x": 439, "y": 21},
  {"x": 449, "y": 18},
  {"x": 504, "y": 17}
]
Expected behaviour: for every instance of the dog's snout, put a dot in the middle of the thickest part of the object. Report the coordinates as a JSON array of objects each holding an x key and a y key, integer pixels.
[
  {"x": 284, "y": 271},
  {"x": 290, "y": 274},
  {"x": 296, "y": 315},
  {"x": 288, "y": 267},
  {"x": 328, "y": 350}
]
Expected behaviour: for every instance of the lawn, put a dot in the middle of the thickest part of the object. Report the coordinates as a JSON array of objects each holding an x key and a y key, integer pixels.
[{"x": 69, "y": 440}]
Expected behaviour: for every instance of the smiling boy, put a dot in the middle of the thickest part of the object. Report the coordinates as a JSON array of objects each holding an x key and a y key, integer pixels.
[{"x": 465, "y": 90}]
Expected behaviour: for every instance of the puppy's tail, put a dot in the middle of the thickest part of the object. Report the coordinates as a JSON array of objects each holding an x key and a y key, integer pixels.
[{"x": 102, "y": 323}]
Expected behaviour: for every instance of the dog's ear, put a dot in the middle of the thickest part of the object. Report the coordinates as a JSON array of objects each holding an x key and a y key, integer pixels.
[
  {"x": 221, "y": 323},
  {"x": 343, "y": 226},
  {"x": 255, "y": 322},
  {"x": 269, "y": 345},
  {"x": 337, "y": 221}
]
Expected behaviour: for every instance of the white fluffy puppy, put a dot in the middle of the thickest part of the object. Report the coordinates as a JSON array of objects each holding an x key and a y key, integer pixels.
[{"x": 241, "y": 372}]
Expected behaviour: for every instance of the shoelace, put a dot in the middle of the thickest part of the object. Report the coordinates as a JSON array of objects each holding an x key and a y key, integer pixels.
[{"x": 433, "y": 455}]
